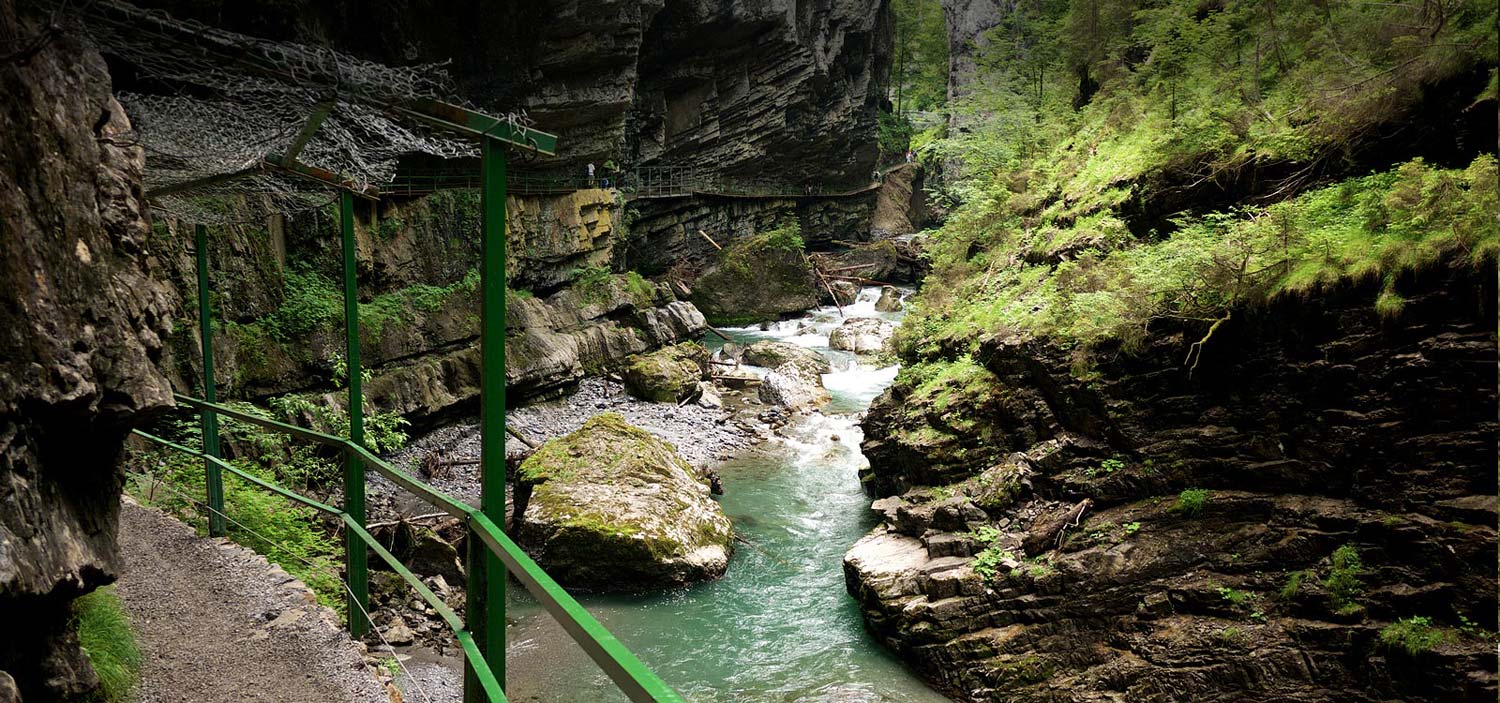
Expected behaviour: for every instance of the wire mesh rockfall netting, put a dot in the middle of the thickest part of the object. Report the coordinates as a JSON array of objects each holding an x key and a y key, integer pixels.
[{"x": 213, "y": 108}]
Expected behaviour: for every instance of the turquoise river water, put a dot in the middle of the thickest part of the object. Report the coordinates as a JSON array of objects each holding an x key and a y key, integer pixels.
[{"x": 779, "y": 625}]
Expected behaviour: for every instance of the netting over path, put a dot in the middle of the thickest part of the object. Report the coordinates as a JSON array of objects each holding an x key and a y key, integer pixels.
[{"x": 221, "y": 113}]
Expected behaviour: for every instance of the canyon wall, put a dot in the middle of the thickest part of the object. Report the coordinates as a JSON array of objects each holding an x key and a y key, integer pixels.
[
  {"x": 81, "y": 332},
  {"x": 1340, "y": 476}
]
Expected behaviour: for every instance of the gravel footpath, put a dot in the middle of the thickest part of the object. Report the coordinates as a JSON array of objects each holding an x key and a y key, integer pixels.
[{"x": 215, "y": 623}]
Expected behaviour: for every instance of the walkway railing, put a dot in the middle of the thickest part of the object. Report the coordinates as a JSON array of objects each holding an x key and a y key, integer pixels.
[
  {"x": 639, "y": 182},
  {"x": 628, "y": 673},
  {"x": 491, "y": 554}
]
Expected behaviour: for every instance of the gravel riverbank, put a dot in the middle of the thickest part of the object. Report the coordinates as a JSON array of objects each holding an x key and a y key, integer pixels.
[{"x": 704, "y": 437}]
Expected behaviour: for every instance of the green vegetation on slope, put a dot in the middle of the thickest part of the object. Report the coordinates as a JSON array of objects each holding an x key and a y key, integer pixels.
[
  {"x": 1093, "y": 121},
  {"x": 105, "y": 636},
  {"x": 1111, "y": 288}
]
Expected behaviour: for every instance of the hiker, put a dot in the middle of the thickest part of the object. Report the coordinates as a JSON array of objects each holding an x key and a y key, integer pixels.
[
  {"x": 910, "y": 155},
  {"x": 875, "y": 176},
  {"x": 590, "y": 169},
  {"x": 609, "y": 172}
]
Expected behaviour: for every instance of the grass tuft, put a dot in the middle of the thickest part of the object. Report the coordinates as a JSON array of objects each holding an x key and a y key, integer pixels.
[{"x": 105, "y": 635}]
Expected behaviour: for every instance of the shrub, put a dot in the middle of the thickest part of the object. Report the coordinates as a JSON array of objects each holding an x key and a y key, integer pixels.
[
  {"x": 987, "y": 562},
  {"x": 1234, "y": 596},
  {"x": 1414, "y": 635},
  {"x": 106, "y": 638},
  {"x": 1190, "y": 502},
  {"x": 1293, "y": 585},
  {"x": 1343, "y": 580}
]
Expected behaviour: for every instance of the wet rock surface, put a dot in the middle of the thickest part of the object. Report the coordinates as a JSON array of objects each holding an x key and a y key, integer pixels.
[
  {"x": 83, "y": 325},
  {"x": 1245, "y": 532}
]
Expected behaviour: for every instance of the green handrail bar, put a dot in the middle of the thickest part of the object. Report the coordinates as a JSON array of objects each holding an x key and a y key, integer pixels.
[{"x": 628, "y": 673}]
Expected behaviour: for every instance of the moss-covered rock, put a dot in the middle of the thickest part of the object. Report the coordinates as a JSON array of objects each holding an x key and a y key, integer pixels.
[
  {"x": 668, "y": 374},
  {"x": 615, "y": 508},
  {"x": 756, "y": 279}
]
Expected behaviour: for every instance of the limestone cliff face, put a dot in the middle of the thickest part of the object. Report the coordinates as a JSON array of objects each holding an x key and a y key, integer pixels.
[
  {"x": 750, "y": 88},
  {"x": 968, "y": 21},
  {"x": 1315, "y": 428},
  {"x": 278, "y": 289},
  {"x": 772, "y": 87},
  {"x": 81, "y": 326}
]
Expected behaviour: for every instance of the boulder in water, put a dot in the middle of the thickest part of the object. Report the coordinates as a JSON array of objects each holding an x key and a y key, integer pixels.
[
  {"x": 772, "y": 354},
  {"x": 616, "y": 509},
  {"x": 844, "y": 293},
  {"x": 890, "y": 299},
  {"x": 666, "y": 375},
  {"x": 757, "y": 279},
  {"x": 793, "y": 386},
  {"x": 862, "y": 335}
]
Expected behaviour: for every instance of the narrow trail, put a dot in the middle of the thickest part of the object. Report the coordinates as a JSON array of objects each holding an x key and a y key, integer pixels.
[{"x": 217, "y": 623}]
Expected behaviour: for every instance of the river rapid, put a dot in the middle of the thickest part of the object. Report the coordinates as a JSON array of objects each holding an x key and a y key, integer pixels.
[{"x": 778, "y": 626}]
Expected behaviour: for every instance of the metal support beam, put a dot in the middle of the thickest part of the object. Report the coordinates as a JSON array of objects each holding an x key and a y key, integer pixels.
[
  {"x": 355, "y": 568},
  {"x": 486, "y": 593},
  {"x": 309, "y": 128},
  {"x": 477, "y": 124},
  {"x": 213, "y": 479}
]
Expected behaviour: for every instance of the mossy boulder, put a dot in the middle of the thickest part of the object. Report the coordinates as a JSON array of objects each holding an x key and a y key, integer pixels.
[
  {"x": 770, "y": 354},
  {"x": 666, "y": 375},
  {"x": 616, "y": 509},
  {"x": 756, "y": 279}
]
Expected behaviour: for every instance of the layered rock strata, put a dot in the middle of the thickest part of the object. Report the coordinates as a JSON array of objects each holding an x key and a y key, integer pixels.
[{"x": 1264, "y": 525}]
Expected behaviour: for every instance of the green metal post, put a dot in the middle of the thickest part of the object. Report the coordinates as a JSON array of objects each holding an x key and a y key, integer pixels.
[
  {"x": 213, "y": 479},
  {"x": 486, "y": 585},
  {"x": 355, "y": 568}
]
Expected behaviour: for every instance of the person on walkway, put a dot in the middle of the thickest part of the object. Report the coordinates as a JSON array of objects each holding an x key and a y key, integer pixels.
[
  {"x": 910, "y": 155},
  {"x": 610, "y": 172},
  {"x": 875, "y": 175},
  {"x": 590, "y": 169}
]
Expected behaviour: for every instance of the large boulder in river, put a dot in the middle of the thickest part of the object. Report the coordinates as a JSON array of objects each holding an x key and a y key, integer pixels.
[
  {"x": 771, "y": 354},
  {"x": 890, "y": 299},
  {"x": 666, "y": 375},
  {"x": 838, "y": 293},
  {"x": 614, "y": 508},
  {"x": 794, "y": 386},
  {"x": 862, "y": 335},
  {"x": 756, "y": 279}
]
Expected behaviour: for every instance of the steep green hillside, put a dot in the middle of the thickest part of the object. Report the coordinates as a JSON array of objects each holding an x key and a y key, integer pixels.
[{"x": 1125, "y": 162}]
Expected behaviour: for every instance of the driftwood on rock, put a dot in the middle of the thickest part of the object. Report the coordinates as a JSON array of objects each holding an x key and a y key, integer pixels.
[{"x": 1046, "y": 534}]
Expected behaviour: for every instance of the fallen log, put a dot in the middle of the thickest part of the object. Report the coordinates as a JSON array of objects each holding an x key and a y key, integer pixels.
[
  {"x": 864, "y": 281},
  {"x": 1048, "y": 535}
]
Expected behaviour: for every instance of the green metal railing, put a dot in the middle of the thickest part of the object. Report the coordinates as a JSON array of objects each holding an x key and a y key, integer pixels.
[
  {"x": 491, "y": 554},
  {"x": 637, "y": 681}
]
